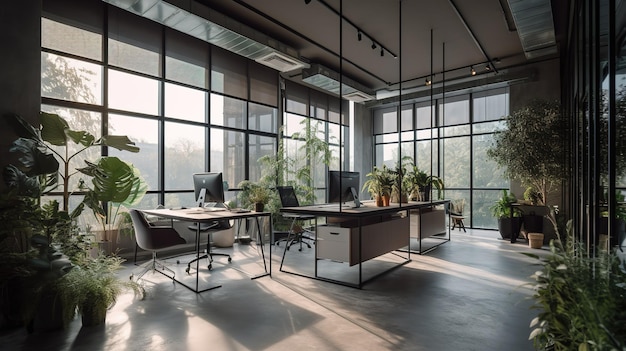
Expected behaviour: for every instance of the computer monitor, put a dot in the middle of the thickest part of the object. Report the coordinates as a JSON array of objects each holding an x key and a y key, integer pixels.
[
  {"x": 208, "y": 187},
  {"x": 344, "y": 187}
]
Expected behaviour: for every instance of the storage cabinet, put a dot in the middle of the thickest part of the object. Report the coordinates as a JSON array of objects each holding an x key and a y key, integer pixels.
[
  {"x": 428, "y": 222},
  {"x": 342, "y": 243}
]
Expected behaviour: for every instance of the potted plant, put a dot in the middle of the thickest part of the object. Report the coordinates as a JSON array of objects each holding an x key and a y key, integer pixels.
[
  {"x": 259, "y": 196},
  {"x": 115, "y": 183},
  {"x": 378, "y": 184},
  {"x": 421, "y": 184},
  {"x": 531, "y": 147},
  {"x": 401, "y": 186},
  {"x": 93, "y": 287},
  {"x": 580, "y": 299},
  {"x": 508, "y": 223}
]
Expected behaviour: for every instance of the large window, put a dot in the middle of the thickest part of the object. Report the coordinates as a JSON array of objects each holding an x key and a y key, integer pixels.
[
  {"x": 189, "y": 106},
  {"x": 449, "y": 139}
]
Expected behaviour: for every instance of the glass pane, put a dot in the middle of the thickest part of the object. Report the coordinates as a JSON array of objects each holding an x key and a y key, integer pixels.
[
  {"x": 455, "y": 112},
  {"x": 406, "y": 118},
  {"x": 228, "y": 73},
  {"x": 71, "y": 80},
  {"x": 262, "y": 118},
  {"x": 129, "y": 92},
  {"x": 228, "y": 112},
  {"x": 259, "y": 146},
  {"x": 482, "y": 201},
  {"x": 488, "y": 127},
  {"x": 133, "y": 58},
  {"x": 456, "y": 159},
  {"x": 77, "y": 41},
  {"x": 180, "y": 199},
  {"x": 294, "y": 151},
  {"x": 228, "y": 155},
  {"x": 487, "y": 174},
  {"x": 293, "y": 124},
  {"x": 426, "y": 134},
  {"x": 135, "y": 43},
  {"x": 145, "y": 134},
  {"x": 185, "y": 103},
  {"x": 333, "y": 133},
  {"x": 187, "y": 59},
  {"x": 184, "y": 154},
  {"x": 456, "y": 130},
  {"x": 78, "y": 120},
  {"x": 424, "y": 117},
  {"x": 462, "y": 197},
  {"x": 424, "y": 159}
]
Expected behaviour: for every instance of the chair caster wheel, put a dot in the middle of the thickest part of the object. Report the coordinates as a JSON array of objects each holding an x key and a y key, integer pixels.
[
  {"x": 299, "y": 249},
  {"x": 210, "y": 266},
  {"x": 230, "y": 259},
  {"x": 187, "y": 270},
  {"x": 177, "y": 261}
]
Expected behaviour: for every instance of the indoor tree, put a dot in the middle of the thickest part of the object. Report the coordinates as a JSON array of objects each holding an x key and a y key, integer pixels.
[{"x": 533, "y": 147}]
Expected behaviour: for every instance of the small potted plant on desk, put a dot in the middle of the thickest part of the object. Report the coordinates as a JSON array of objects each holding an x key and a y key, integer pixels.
[
  {"x": 508, "y": 225},
  {"x": 259, "y": 196},
  {"x": 378, "y": 184}
]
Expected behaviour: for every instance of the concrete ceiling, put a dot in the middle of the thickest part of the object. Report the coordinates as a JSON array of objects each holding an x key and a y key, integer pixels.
[{"x": 472, "y": 33}]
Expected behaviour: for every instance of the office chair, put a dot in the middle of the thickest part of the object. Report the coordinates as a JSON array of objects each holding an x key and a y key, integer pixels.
[
  {"x": 209, "y": 228},
  {"x": 296, "y": 235},
  {"x": 154, "y": 239}
]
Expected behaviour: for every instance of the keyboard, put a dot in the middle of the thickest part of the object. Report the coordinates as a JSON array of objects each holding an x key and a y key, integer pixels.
[{"x": 213, "y": 209}]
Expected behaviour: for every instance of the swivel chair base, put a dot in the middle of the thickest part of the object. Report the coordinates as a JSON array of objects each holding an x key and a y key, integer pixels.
[{"x": 209, "y": 256}]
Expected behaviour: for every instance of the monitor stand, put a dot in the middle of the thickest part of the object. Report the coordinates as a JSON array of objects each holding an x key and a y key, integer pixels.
[
  {"x": 201, "y": 197},
  {"x": 355, "y": 195}
]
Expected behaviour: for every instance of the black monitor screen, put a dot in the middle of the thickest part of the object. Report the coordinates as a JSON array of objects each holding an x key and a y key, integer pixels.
[
  {"x": 343, "y": 186},
  {"x": 212, "y": 185}
]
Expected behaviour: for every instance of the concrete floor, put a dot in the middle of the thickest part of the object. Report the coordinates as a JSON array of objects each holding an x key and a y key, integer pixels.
[{"x": 468, "y": 294}]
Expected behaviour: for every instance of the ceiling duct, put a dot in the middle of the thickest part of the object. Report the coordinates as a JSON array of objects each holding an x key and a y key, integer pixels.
[
  {"x": 535, "y": 26},
  {"x": 216, "y": 29},
  {"x": 328, "y": 80}
]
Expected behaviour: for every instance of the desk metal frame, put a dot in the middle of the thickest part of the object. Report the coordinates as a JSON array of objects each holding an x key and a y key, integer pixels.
[
  {"x": 199, "y": 216},
  {"x": 368, "y": 209}
]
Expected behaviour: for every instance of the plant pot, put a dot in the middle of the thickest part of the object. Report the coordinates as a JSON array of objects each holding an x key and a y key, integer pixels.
[
  {"x": 93, "y": 315},
  {"x": 386, "y": 199},
  {"x": 259, "y": 206},
  {"x": 379, "y": 201},
  {"x": 532, "y": 224},
  {"x": 504, "y": 226},
  {"x": 535, "y": 240}
]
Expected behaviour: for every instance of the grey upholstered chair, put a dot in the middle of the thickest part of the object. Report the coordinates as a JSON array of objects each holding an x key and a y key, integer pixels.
[{"x": 154, "y": 239}]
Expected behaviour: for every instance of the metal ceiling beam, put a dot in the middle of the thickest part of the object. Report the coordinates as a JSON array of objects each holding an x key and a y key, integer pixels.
[{"x": 471, "y": 33}]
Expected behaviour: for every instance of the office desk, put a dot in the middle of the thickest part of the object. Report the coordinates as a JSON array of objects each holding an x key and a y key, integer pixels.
[
  {"x": 200, "y": 216},
  {"x": 360, "y": 234}
]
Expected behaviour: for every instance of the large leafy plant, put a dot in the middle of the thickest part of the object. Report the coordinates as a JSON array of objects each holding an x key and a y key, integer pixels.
[
  {"x": 115, "y": 183},
  {"x": 47, "y": 149},
  {"x": 533, "y": 146}
]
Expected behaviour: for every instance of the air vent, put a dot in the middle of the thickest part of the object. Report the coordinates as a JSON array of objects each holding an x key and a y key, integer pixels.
[
  {"x": 358, "y": 96},
  {"x": 279, "y": 62}
]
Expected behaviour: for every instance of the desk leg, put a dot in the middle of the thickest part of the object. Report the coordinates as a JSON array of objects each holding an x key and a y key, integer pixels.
[{"x": 260, "y": 235}]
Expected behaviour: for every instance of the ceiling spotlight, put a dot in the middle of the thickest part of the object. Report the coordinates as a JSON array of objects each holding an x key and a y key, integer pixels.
[
  {"x": 496, "y": 60},
  {"x": 373, "y": 45},
  {"x": 382, "y": 53},
  {"x": 487, "y": 67},
  {"x": 307, "y": 1},
  {"x": 473, "y": 71},
  {"x": 359, "y": 36},
  {"x": 428, "y": 82}
]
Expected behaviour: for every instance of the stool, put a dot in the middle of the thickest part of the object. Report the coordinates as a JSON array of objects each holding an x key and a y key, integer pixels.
[{"x": 458, "y": 220}]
